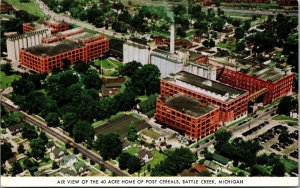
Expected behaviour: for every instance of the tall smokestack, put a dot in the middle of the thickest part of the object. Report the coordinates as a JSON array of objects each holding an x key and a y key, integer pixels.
[{"x": 172, "y": 37}]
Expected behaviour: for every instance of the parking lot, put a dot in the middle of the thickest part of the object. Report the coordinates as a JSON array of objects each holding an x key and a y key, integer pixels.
[{"x": 267, "y": 132}]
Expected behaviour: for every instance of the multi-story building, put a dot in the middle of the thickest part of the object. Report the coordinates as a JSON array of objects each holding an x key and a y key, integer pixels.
[
  {"x": 15, "y": 43},
  {"x": 194, "y": 118},
  {"x": 54, "y": 25},
  {"x": 233, "y": 102},
  {"x": 258, "y": 78},
  {"x": 78, "y": 46}
]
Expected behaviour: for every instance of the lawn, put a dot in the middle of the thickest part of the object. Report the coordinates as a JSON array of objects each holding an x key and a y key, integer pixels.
[
  {"x": 289, "y": 164},
  {"x": 133, "y": 150},
  {"x": 3, "y": 131},
  {"x": 30, "y": 7},
  {"x": 150, "y": 133},
  {"x": 157, "y": 158},
  {"x": 5, "y": 81},
  {"x": 284, "y": 117},
  {"x": 239, "y": 121},
  {"x": 106, "y": 64},
  {"x": 102, "y": 122},
  {"x": 231, "y": 46},
  {"x": 46, "y": 160},
  {"x": 16, "y": 140}
]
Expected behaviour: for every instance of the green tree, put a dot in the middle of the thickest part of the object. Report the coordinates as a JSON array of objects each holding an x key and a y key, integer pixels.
[
  {"x": 132, "y": 133},
  {"x": 92, "y": 80},
  {"x": 8, "y": 152},
  {"x": 21, "y": 148},
  {"x": 239, "y": 33},
  {"x": 278, "y": 169},
  {"x": 29, "y": 132},
  {"x": 83, "y": 131},
  {"x": 222, "y": 136},
  {"x": 52, "y": 119},
  {"x": 205, "y": 173},
  {"x": 285, "y": 106},
  {"x": 81, "y": 67},
  {"x": 54, "y": 165},
  {"x": 109, "y": 145},
  {"x": 134, "y": 164},
  {"x": 6, "y": 68},
  {"x": 123, "y": 160},
  {"x": 129, "y": 69},
  {"x": 43, "y": 138},
  {"x": 37, "y": 148},
  {"x": 16, "y": 168}
]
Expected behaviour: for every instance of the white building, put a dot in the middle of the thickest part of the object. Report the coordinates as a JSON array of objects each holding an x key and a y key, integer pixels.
[{"x": 15, "y": 43}]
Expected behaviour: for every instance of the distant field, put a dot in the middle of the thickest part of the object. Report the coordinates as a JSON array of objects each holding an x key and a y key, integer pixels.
[
  {"x": 120, "y": 126},
  {"x": 5, "y": 81},
  {"x": 30, "y": 7}
]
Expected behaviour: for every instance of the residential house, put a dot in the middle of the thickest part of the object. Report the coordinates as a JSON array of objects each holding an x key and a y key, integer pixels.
[
  {"x": 80, "y": 167},
  {"x": 187, "y": 173},
  {"x": 50, "y": 146},
  {"x": 15, "y": 129},
  {"x": 68, "y": 161},
  {"x": 220, "y": 159},
  {"x": 68, "y": 172},
  {"x": 212, "y": 166},
  {"x": 57, "y": 153},
  {"x": 144, "y": 155},
  {"x": 199, "y": 168}
]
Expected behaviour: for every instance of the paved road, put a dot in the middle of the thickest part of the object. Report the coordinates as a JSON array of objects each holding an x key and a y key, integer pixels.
[
  {"x": 67, "y": 19},
  {"x": 52, "y": 131}
]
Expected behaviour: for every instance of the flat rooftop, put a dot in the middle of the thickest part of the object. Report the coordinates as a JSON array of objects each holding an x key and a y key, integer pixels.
[
  {"x": 53, "y": 48},
  {"x": 83, "y": 36},
  {"x": 188, "y": 105},
  {"x": 203, "y": 83}
]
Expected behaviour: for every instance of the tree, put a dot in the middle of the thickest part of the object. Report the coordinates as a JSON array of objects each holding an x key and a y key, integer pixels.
[
  {"x": 66, "y": 63},
  {"x": 222, "y": 136},
  {"x": 43, "y": 138},
  {"x": 134, "y": 164},
  {"x": 176, "y": 162},
  {"x": 69, "y": 120},
  {"x": 247, "y": 25},
  {"x": 285, "y": 106},
  {"x": 132, "y": 133},
  {"x": 123, "y": 160},
  {"x": 6, "y": 68},
  {"x": 205, "y": 173},
  {"x": 92, "y": 162},
  {"x": 21, "y": 148},
  {"x": 129, "y": 69},
  {"x": 211, "y": 43},
  {"x": 92, "y": 80},
  {"x": 12, "y": 118},
  {"x": 205, "y": 43},
  {"x": 52, "y": 119},
  {"x": 83, "y": 131},
  {"x": 239, "y": 33},
  {"x": 81, "y": 67},
  {"x": 75, "y": 150},
  {"x": 29, "y": 132},
  {"x": 54, "y": 165},
  {"x": 16, "y": 168},
  {"x": 109, "y": 145},
  {"x": 180, "y": 31},
  {"x": 278, "y": 169},
  {"x": 8, "y": 152},
  {"x": 37, "y": 148}
]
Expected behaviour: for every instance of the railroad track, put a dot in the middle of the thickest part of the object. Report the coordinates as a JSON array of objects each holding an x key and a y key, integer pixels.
[{"x": 88, "y": 153}]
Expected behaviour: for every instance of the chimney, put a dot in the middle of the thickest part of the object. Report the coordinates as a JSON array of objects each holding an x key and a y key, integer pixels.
[{"x": 172, "y": 37}]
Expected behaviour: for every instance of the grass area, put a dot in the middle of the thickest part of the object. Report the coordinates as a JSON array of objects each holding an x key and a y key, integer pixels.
[
  {"x": 223, "y": 174},
  {"x": 39, "y": 118},
  {"x": 231, "y": 46},
  {"x": 3, "y": 131},
  {"x": 133, "y": 150},
  {"x": 157, "y": 157},
  {"x": 236, "y": 170},
  {"x": 289, "y": 164},
  {"x": 60, "y": 144},
  {"x": 30, "y": 7},
  {"x": 5, "y": 81},
  {"x": 106, "y": 64},
  {"x": 150, "y": 133},
  {"x": 190, "y": 33},
  {"x": 143, "y": 98},
  {"x": 46, "y": 161},
  {"x": 116, "y": 63},
  {"x": 202, "y": 141},
  {"x": 283, "y": 117},
  {"x": 113, "y": 162}
]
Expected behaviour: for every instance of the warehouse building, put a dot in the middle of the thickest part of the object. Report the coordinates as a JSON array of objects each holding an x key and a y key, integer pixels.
[
  {"x": 55, "y": 26},
  {"x": 194, "y": 118},
  {"x": 233, "y": 102},
  {"x": 78, "y": 46}
]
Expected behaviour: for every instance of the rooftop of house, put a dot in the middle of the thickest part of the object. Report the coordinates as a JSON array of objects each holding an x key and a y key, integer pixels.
[
  {"x": 187, "y": 173},
  {"x": 199, "y": 168},
  {"x": 79, "y": 164},
  {"x": 219, "y": 158},
  {"x": 68, "y": 171},
  {"x": 15, "y": 127},
  {"x": 187, "y": 105},
  {"x": 211, "y": 165},
  {"x": 67, "y": 158},
  {"x": 53, "y": 48},
  {"x": 143, "y": 152},
  {"x": 203, "y": 83}
]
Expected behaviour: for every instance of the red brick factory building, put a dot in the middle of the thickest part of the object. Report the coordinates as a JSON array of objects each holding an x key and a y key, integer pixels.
[
  {"x": 54, "y": 25},
  {"x": 74, "y": 45},
  {"x": 231, "y": 103},
  {"x": 194, "y": 118}
]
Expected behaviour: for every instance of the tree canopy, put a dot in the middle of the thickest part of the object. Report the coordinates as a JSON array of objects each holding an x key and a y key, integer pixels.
[{"x": 109, "y": 145}]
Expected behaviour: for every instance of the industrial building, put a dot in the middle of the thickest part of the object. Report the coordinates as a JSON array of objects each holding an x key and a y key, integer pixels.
[
  {"x": 261, "y": 79},
  {"x": 72, "y": 45},
  {"x": 16, "y": 42},
  {"x": 194, "y": 118},
  {"x": 233, "y": 102},
  {"x": 55, "y": 26}
]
